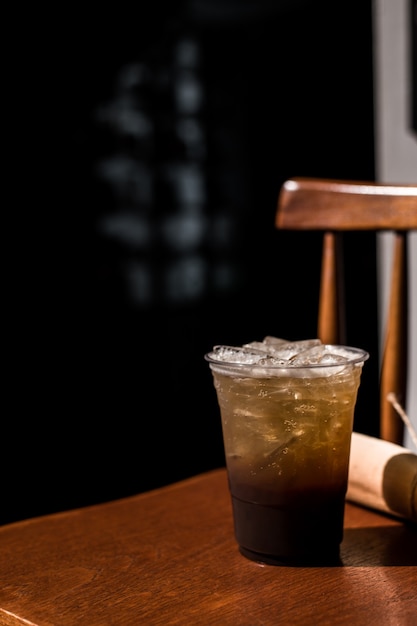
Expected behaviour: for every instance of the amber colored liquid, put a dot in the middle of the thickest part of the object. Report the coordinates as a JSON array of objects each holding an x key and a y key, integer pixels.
[{"x": 287, "y": 444}]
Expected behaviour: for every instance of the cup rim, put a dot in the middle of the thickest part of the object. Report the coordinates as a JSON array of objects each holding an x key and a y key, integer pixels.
[{"x": 361, "y": 356}]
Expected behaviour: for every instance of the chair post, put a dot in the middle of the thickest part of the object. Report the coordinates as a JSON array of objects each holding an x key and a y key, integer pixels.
[
  {"x": 331, "y": 323},
  {"x": 394, "y": 361}
]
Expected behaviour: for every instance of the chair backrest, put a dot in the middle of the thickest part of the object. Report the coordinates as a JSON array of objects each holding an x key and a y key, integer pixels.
[{"x": 334, "y": 206}]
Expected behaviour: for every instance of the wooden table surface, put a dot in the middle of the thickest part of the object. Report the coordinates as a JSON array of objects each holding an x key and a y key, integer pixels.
[{"x": 169, "y": 557}]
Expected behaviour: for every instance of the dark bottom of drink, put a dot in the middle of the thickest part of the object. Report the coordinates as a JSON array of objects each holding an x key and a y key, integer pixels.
[{"x": 293, "y": 535}]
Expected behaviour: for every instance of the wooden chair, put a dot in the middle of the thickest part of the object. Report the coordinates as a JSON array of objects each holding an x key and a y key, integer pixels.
[{"x": 334, "y": 206}]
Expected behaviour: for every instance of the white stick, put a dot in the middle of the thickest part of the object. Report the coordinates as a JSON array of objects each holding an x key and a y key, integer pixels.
[{"x": 392, "y": 398}]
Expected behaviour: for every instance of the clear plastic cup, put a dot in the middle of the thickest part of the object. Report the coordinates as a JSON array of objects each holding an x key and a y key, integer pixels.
[{"x": 287, "y": 412}]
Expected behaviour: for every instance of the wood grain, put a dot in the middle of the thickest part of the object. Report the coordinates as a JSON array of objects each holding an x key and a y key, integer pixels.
[
  {"x": 337, "y": 205},
  {"x": 169, "y": 557}
]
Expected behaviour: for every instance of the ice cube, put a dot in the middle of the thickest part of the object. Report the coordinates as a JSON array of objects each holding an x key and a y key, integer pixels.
[
  {"x": 257, "y": 345},
  {"x": 269, "y": 340},
  {"x": 277, "y": 357},
  {"x": 287, "y": 350},
  {"x": 236, "y": 354}
]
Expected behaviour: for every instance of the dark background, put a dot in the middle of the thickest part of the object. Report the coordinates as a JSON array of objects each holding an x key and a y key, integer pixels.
[{"x": 159, "y": 140}]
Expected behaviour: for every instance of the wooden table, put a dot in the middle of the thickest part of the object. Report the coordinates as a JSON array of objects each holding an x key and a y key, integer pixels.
[{"x": 169, "y": 557}]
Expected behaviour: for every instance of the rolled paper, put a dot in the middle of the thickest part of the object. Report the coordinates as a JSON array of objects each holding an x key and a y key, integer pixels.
[{"x": 383, "y": 476}]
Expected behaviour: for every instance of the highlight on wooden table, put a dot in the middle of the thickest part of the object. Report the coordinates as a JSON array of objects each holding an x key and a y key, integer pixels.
[{"x": 169, "y": 556}]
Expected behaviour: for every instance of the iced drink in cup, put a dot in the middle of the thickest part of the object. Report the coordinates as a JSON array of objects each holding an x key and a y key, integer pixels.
[{"x": 287, "y": 416}]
